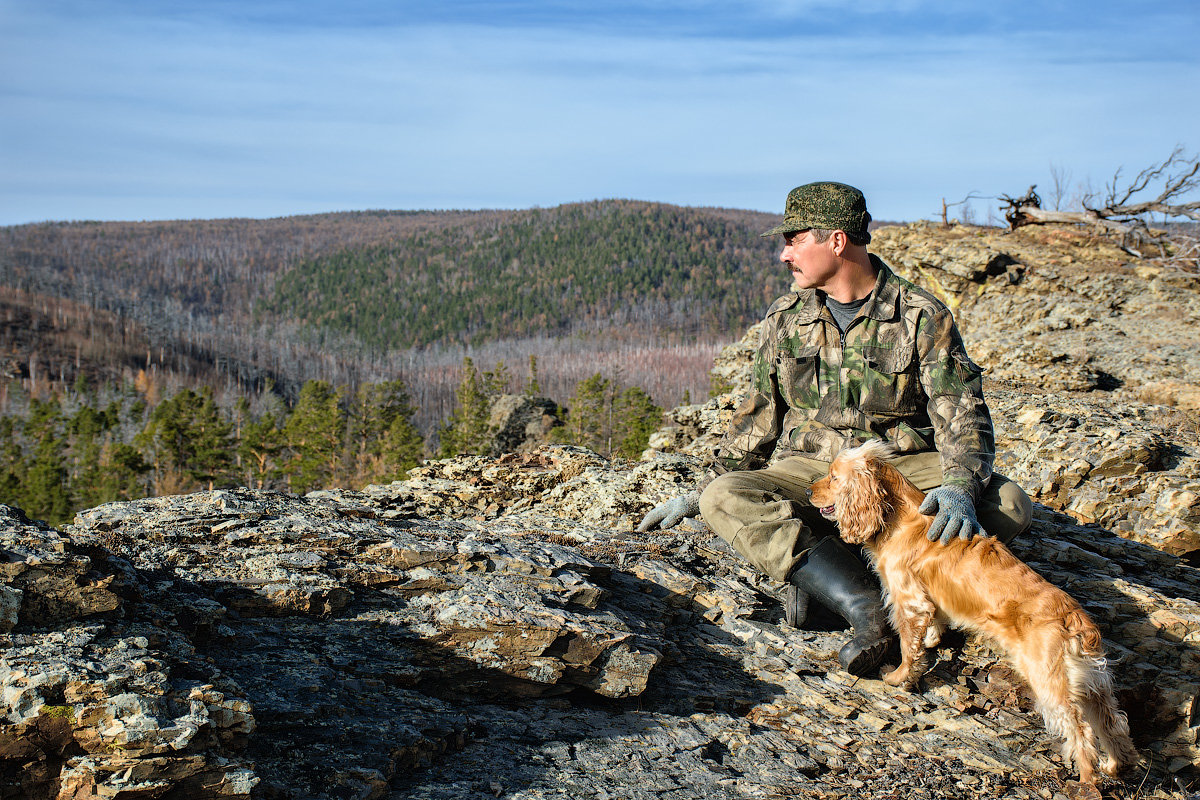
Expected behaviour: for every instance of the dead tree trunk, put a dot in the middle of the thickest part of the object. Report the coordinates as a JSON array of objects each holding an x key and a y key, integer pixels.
[{"x": 1122, "y": 213}]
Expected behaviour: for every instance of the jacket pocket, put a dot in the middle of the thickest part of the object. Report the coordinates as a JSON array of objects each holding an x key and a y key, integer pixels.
[
  {"x": 967, "y": 369},
  {"x": 798, "y": 377},
  {"x": 891, "y": 380}
]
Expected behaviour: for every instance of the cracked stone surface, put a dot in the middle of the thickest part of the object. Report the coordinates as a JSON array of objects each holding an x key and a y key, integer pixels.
[{"x": 494, "y": 626}]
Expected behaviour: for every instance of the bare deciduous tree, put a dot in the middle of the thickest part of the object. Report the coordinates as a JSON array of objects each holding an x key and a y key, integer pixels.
[{"x": 1061, "y": 178}]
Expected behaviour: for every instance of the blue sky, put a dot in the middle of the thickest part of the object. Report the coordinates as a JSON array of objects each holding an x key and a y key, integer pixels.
[{"x": 169, "y": 109}]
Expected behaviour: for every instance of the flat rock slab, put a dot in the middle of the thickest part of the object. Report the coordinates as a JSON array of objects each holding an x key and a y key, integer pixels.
[{"x": 344, "y": 644}]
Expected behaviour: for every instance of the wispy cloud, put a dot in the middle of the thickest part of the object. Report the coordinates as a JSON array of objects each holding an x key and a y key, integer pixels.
[{"x": 142, "y": 109}]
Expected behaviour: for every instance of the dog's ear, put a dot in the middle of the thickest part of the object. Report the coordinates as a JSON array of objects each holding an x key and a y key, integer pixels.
[
  {"x": 899, "y": 492},
  {"x": 862, "y": 506},
  {"x": 890, "y": 481}
]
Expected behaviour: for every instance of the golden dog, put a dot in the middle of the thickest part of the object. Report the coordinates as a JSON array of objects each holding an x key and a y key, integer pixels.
[{"x": 978, "y": 586}]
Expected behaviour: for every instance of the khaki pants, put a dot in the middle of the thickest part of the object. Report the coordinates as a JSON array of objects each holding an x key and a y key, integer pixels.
[{"x": 766, "y": 515}]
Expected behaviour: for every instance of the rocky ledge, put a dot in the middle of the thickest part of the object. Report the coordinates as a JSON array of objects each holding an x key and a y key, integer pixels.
[{"x": 494, "y": 627}]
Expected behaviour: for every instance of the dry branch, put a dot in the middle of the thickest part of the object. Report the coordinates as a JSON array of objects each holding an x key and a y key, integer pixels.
[{"x": 1124, "y": 211}]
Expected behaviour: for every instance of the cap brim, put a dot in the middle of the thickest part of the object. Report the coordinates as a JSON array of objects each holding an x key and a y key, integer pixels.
[{"x": 786, "y": 227}]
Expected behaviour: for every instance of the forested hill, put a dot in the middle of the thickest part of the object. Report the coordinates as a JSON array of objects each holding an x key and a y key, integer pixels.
[
  {"x": 641, "y": 292},
  {"x": 398, "y": 279},
  {"x": 128, "y": 348},
  {"x": 594, "y": 267},
  {"x": 346, "y": 296}
]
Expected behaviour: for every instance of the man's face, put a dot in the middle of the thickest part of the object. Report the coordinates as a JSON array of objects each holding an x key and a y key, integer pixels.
[{"x": 813, "y": 264}]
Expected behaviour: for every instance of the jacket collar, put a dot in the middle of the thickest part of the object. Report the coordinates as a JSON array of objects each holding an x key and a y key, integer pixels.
[{"x": 883, "y": 303}]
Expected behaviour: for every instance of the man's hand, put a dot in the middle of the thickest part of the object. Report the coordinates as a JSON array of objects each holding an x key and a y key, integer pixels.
[
  {"x": 955, "y": 514},
  {"x": 668, "y": 514}
]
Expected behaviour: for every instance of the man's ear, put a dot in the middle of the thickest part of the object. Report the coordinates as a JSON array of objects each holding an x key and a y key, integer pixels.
[{"x": 838, "y": 240}]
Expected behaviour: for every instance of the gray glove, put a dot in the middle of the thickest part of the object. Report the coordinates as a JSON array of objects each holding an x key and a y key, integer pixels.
[
  {"x": 955, "y": 514},
  {"x": 668, "y": 514}
]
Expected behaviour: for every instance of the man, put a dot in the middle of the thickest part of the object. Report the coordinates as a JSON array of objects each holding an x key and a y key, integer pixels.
[{"x": 854, "y": 353}]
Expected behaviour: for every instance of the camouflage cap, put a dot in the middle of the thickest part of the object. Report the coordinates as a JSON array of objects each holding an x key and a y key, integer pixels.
[{"x": 828, "y": 205}]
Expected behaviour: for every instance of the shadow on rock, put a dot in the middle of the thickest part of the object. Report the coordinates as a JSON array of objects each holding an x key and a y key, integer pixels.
[
  {"x": 350, "y": 704},
  {"x": 324, "y": 647},
  {"x": 370, "y": 648}
]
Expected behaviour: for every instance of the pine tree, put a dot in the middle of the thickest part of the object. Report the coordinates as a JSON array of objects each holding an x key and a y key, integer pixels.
[
  {"x": 88, "y": 473},
  {"x": 260, "y": 447},
  {"x": 89, "y": 433},
  {"x": 121, "y": 471},
  {"x": 401, "y": 450},
  {"x": 12, "y": 463},
  {"x": 466, "y": 432},
  {"x": 214, "y": 452},
  {"x": 636, "y": 418},
  {"x": 588, "y": 415},
  {"x": 82, "y": 387},
  {"x": 533, "y": 388},
  {"x": 609, "y": 420},
  {"x": 386, "y": 443},
  {"x": 314, "y": 432},
  {"x": 191, "y": 446},
  {"x": 497, "y": 380},
  {"x": 45, "y": 492}
]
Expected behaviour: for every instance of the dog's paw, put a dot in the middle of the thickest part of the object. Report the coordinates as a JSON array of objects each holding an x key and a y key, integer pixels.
[
  {"x": 933, "y": 635},
  {"x": 898, "y": 677},
  {"x": 1114, "y": 766}
]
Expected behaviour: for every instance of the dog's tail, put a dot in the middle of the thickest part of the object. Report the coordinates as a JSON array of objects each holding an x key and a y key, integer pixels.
[
  {"x": 1087, "y": 669},
  {"x": 1082, "y": 634},
  {"x": 1092, "y": 691}
]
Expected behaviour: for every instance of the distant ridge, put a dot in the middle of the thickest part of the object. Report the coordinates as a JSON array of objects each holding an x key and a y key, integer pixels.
[{"x": 347, "y": 296}]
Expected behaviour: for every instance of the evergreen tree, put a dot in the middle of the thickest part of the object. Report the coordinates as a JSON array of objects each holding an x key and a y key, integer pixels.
[
  {"x": 610, "y": 420},
  {"x": 121, "y": 471},
  {"x": 191, "y": 445},
  {"x": 588, "y": 415},
  {"x": 45, "y": 491},
  {"x": 215, "y": 446},
  {"x": 90, "y": 440},
  {"x": 401, "y": 450},
  {"x": 85, "y": 447},
  {"x": 314, "y": 432},
  {"x": 497, "y": 380},
  {"x": 386, "y": 444},
  {"x": 46, "y": 494},
  {"x": 366, "y": 422},
  {"x": 260, "y": 447},
  {"x": 636, "y": 417},
  {"x": 533, "y": 388},
  {"x": 466, "y": 432}
]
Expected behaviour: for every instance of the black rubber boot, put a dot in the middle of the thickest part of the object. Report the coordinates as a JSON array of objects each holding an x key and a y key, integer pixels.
[
  {"x": 835, "y": 578},
  {"x": 795, "y": 605}
]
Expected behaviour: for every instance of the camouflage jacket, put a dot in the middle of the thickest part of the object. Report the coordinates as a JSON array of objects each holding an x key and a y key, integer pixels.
[{"x": 900, "y": 373}]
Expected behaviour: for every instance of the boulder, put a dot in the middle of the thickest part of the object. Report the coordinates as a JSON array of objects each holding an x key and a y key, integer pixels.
[{"x": 518, "y": 422}]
